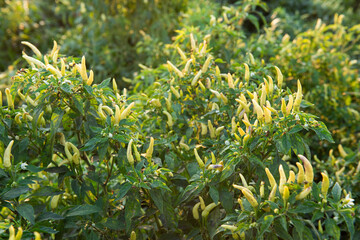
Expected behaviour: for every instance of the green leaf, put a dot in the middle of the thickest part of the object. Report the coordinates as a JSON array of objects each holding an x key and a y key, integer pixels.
[
  {"x": 214, "y": 194},
  {"x": 79, "y": 105},
  {"x": 14, "y": 193},
  {"x": 305, "y": 207},
  {"x": 349, "y": 220},
  {"x": 27, "y": 212},
  {"x": 124, "y": 188},
  {"x": 336, "y": 192},
  {"x": 104, "y": 83},
  {"x": 281, "y": 232},
  {"x": 266, "y": 224},
  {"x": 323, "y": 133},
  {"x": 49, "y": 216},
  {"x": 332, "y": 229},
  {"x": 226, "y": 199},
  {"x": 82, "y": 210},
  {"x": 47, "y": 191},
  {"x": 299, "y": 226},
  {"x": 66, "y": 88},
  {"x": 295, "y": 129}
]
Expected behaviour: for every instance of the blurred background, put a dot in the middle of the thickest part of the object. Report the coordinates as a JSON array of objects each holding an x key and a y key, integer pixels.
[{"x": 117, "y": 35}]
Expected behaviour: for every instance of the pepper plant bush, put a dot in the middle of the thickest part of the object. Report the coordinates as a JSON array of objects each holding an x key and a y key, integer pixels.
[{"x": 81, "y": 160}]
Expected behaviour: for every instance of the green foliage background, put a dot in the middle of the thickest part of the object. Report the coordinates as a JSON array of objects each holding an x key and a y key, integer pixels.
[{"x": 98, "y": 191}]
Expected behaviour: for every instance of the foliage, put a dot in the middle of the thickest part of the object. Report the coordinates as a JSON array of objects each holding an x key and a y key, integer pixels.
[{"x": 242, "y": 126}]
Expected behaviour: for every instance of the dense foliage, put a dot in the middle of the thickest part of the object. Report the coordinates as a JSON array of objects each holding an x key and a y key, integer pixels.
[{"x": 235, "y": 123}]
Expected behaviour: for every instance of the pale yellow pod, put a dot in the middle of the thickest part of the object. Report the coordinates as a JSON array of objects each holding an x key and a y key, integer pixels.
[
  {"x": 11, "y": 233},
  {"x": 195, "y": 211},
  {"x": 62, "y": 67},
  {"x": 32, "y": 60},
  {"x": 283, "y": 107},
  {"x": 54, "y": 71},
  {"x": 181, "y": 53},
  {"x": 271, "y": 85},
  {"x": 259, "y": 112},
  {"x": 91, "y": 78},
  {"x": 7, "y": 155},
  {"x": 9, "y": 98},
  {"x": 129, "y": 155},
  {"x": 270, "y": 177},
  {"x": 170, "y": 119},
  {"x": 202, "y": 203},
  {"x": 83, "y": 69},
  {"x": 233, "y": 125},
  {"x": 267, "y": 114},
  {"x": 150, "y": 150},
  {"x": 198, "y": 159},
  {"x": 263, "y": 96},
  {"x": 241, "y": 131},
  {"x": 133, "y": 235},
  {"x": 298, "y": 98},
  {"x": 207, "y": 63},
  {"x": 273, "y": 193},
  {"x": 250, "y": 197},
  {"x": 203, "y": 129},
  {"x": 175, "y": 92},
  {"x": 262, "y": 189},
  {"x": 187, "y": 66},
  {"x": 303, "y": 194},
  {"x": 291, "y": 178},
  {"x": 289, "y": 105},
  {"x": 282, "y": 179},
  {"x": 55, "y": 201},
  {"x": 211, "y": 129},
  {"x": 229, "y": 227},
  {"x": 342, "y": 152},
  {"x": 309, "y": 172},
  {"x": 196, "y": 78},
  {"x": 54, "y": 49},
  {"x": 37, "y": 236},
  {"x": 175, "y": 69},
  {"x": 247, "y": 72},
  {"x": 230, "y": 81},
  {"x": 279, "y": 77},
  {"x": 325, "y": 184},
  {"x": 301, "y": 175},
  {"x": 192, "y": 42},
  {"x": 286, "y": 193},
  {"x": 33, "y": 48},
  {"x": 218, "y": 130},
  {"x": 19, "y": 234},
  {"x": 127, "y": 110}
]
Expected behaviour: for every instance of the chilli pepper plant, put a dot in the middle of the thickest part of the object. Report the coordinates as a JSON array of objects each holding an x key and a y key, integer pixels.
[{"x": 198, "y": 154}]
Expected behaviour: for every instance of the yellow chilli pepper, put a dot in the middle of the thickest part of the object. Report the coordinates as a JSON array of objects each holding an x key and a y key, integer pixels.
[
  {"x": 129, "y": 153},
  {"x": 7, "y": 155},
  {"x": 279, "y": 77},
  {"x": 202, "y": 203},
  {"x": 150, "y": 150},
  {"x": 195, "y": 211},
  {"x": 270, "y": 177},
  {"x": 309, "y": 173},
  {"x": 301, "y": 175},
  {"x": 19, "y": 234},
  {"x": 303, "y": 193},
  {"x": 198, "y": 159},
  {"x": 325, "y": 184},
  {"x": 208, "y": 209},
  {"x": 282, "y": 179},
  {"x": 250, "y": 197},
  {"x": 133, "y": 235},
  {"x": 247, "y": 72}
]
